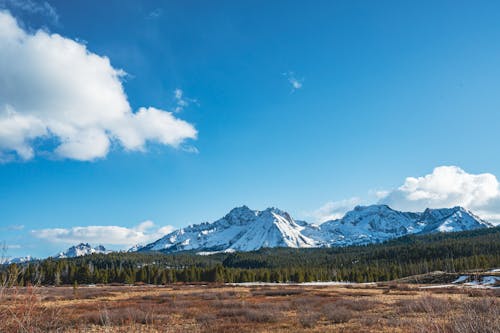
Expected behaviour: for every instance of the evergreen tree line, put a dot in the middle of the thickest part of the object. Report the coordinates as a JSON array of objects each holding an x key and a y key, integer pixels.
[{"x": 406, "y": 256}]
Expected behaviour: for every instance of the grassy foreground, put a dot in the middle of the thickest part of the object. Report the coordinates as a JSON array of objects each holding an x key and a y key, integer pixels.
[{"x": 256, "y": 308}]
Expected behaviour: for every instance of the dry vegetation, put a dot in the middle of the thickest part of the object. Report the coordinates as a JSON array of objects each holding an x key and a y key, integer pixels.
[{"x": 222, "y": 308}]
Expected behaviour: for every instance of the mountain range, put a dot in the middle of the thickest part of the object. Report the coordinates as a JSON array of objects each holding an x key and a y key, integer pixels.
[{"x": 243, "y": 229}]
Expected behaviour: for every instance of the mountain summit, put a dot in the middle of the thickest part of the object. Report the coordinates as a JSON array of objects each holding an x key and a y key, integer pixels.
[
  {"x": 378, "y": 223},
  {"x": 82, "y": 249},
  {"x": 244, "y": 229}
]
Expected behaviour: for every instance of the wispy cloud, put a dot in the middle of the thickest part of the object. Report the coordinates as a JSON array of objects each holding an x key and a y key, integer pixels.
[
  {"x": 190, "y": 149},
  {"x": 295, "y": 82},
  {"x": 155, "y": 13},
  {"x": 13, "y": 227},
  {"x": 33, "y": 7},
  {"x": 143, "y": 233},
  {"x": 181, "y": 101}
]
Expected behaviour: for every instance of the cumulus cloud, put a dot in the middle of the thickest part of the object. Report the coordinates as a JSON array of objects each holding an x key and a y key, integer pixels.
[
  {"x": 445, "y": 187},
  {"x": 333, "y": 210},
  {"x": 56, "y": 92},
  {"x": 449, "y": 186},
  {"x": 293, "y": 80},
  {"x": 143, "y": 233}
]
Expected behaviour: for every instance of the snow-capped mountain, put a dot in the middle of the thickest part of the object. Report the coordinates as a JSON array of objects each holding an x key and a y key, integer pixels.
[
  {"x": 82, "y": 249},
  {"x": 450, "y": 219},
  {"x": 16, "y": 260},
  {"x": 135, "y": 248},
  {"x": 369, "y": 224},
  {"x": 378, "y": 223},
  {"x": 243, "y": 229}
]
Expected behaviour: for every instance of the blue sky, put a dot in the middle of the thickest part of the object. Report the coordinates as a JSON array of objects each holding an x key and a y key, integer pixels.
[{"x": 384, "y": 90}]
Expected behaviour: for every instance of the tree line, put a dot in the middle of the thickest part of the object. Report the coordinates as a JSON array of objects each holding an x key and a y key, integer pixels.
[{"x": 406, "y": 256}]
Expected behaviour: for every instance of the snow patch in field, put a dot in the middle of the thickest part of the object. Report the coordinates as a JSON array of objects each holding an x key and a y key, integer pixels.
[
  {"x": 461, "y": 279},
  {"x": 317, "y": 283}
]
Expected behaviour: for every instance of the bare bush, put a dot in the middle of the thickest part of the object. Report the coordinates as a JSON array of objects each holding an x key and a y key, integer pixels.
[
  {"x": 26, "y": 313},
  {"x": 337, "y": 314},
  {"x": 206, "y": 319},
  {"x": 272, "y": 307},
  {"x": 357, "y": 304},
  {"x": 303, "y": 302},
  {"x": 262, "y": 316},
  {"x": 276, "y": 292},
  {"x": 309, "y": 319},
  {"x": 425, "y": 304},
  {"x": 481, "y": 316}
]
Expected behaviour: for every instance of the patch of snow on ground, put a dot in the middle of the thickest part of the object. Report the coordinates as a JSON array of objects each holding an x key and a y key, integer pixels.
[
  {"x": 318, "y": 283},
  {"x": 439, "y": 286},
  {"x": 461, "y": 279},
  {"x": 490, "y": 280}
]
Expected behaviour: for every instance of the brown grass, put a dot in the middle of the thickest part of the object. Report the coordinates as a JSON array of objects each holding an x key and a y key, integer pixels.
[{"x": 218, "y": 308}]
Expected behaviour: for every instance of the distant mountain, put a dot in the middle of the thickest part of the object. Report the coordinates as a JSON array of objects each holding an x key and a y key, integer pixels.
[
  {"x": 134, "y": 248},
  {"x": 17, "y": 260},
  {"x": 378, "y": 223},
  {"x": 369, "y": 224},
  {"x": 450, "y": 219},
  {"x": 243, "y": 229},
  {"x": 82, "y": 249}
]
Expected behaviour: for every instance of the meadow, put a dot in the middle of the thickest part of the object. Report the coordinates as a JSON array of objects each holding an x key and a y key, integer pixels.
[{"x": 382, "y": 307}]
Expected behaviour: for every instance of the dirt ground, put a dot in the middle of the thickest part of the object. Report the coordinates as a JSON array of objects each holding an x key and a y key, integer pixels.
[{"x": 254, "y": 308}]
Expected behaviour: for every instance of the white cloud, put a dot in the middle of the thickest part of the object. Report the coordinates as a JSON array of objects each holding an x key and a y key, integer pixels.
[
  {"x": 333, "y": 210},
  {"x": 445, "y": 187},
  {"x": 181, "y": 100},
  {"x": 449, "y": 186},
  {"x": 190, "y": 149},
  {"x": 13, "y": 227},
  {"x": 293, "y": 80},
  {"x": 156, "y": 13},
  {"x": 34, "y": 7},
  {"x": 143, "y": 233},
  {"x": 55, "y": 91}
]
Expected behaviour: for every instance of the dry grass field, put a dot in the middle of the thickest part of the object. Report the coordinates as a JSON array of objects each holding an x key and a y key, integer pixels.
[{"x": 223, "y": 308}]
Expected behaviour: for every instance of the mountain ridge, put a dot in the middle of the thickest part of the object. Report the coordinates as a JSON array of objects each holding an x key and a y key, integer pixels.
[
  {"x": 243, "y": 229},
  {"x": 82, "y": 249}
]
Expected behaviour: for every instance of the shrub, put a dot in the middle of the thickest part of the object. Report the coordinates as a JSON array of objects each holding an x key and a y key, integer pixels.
[
  {"x": 309, "y": 319},
  {"x": 481, "y": 316},
  {"x": 337, "y": 314}
]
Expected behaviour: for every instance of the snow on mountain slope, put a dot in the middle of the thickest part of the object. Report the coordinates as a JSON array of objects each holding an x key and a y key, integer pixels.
[
  {"x": 369, "y": 224},
  {"x": 135, "y": 248},
  {"x": 377, "y": 223},
  {"x": 243, "y": 229},
  {"x": 16, "y": 260},
  {"x": 82, "y": 249},
  {"x": 450, "y": 219}
]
